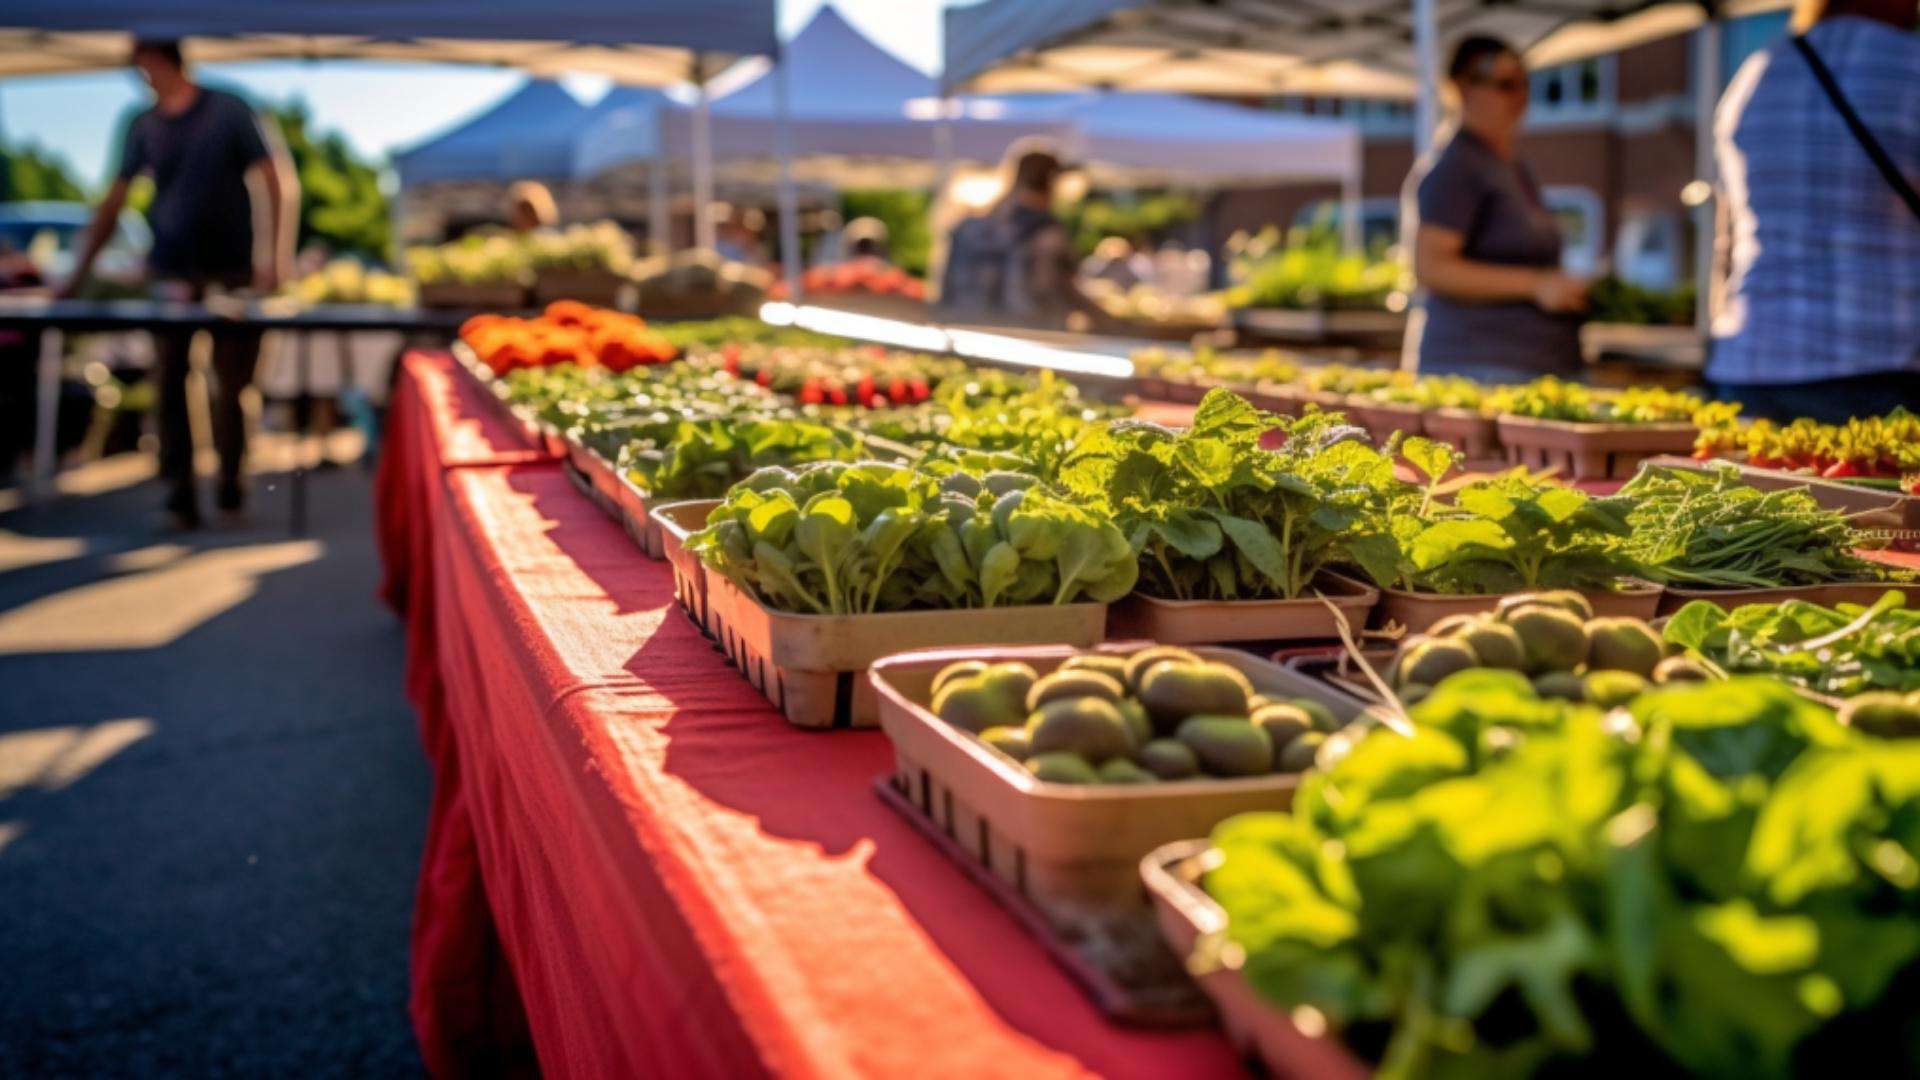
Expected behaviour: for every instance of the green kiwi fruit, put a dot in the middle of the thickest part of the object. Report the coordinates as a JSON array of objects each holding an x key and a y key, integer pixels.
[
  {"x": 1011, "y": 741},
  {"x": 1122, "y": 771},
  {"x": 1565, "y": 599},
  {"x": 1298, "y": 755},
  {"x": 1559, "y": 684},
  {"x": 1087, "y": 726},
  {"x": 1174, "y": 691},
  {"x": 1554, "y": 639},
  {"x": 1062, "y": 685},
  {"x": 1428, "y": 660},
  {"x": 1622, "y": 644},
  {"x": 972, "y": 705},
  {"x": 1228, "y": 745},
  {"x": 1282, "y": 723},
  {"x": 1139, "y": 663},
  {"x": 1061, "y": 768},
  {"x": 962, "y": 669},
  {"x": 1169, "y": 759},
  {"x": 1494, "y": 644},
  {"x": 1676, "y": 669}
]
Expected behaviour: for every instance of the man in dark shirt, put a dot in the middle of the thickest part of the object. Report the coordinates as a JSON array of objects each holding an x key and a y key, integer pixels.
[{"x": 201, "y": 147}]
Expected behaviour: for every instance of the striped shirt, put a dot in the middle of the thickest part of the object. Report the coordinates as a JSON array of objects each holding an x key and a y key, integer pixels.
[{"x": 1824, "y": 271}]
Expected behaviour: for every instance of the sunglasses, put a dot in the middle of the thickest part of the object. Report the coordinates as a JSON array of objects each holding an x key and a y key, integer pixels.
[{"x": 1512, "y": 84}]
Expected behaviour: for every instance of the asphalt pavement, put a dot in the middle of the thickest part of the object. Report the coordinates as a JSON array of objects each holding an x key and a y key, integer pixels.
[{"x": 212, "y": 794}]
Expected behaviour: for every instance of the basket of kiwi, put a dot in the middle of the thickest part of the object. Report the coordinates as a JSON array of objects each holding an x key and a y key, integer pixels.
[
  {"x": 1553, "y": 637},
  {"x": 1417, "y": 611},
  {"x": 1050, "y": 772}
]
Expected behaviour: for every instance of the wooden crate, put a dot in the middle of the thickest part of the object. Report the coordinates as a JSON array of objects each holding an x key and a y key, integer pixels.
[
  {"x": 1064, "y": 857},
  {"x": 1590, "y": 451},
  {"x": 812, "y": 667},
  {"x": 676, "y": 522},
  {"x": 1274, "y": 1041},
  {"x": 1209, "y": 622}
]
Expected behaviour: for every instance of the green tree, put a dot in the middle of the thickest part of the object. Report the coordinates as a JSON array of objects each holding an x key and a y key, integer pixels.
[
  {"x": 341, "y": 204},
  {"x": 30, "y": 173}
]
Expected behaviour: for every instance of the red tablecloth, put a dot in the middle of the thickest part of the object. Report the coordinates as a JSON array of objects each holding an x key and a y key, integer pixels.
[{"x": 634, "y": 865}]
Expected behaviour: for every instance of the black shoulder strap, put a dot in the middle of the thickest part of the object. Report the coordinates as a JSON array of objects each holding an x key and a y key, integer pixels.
[{"x": 1860, "y": 133}]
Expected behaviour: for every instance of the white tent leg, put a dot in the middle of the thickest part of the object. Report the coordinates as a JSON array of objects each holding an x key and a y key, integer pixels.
[
  {"x": 943, "y": 146},
  {"x": 1706, "y": 94},
  {"x": 703, "y": 231},
  {"x": 789, "y": 198},
  {"x": 1426, "y": 50},
  {"x": 1351, "y": 233},
  {"x": 659, "y": 205}
]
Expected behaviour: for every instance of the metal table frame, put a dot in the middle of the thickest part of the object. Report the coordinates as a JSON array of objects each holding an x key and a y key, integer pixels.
[{"x": 52, "y": 320}]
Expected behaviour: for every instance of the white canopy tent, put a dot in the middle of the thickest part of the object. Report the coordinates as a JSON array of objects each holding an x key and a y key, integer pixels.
[
  {"x": 640, "y": 42},
  {"x": 643, "y": 42},
  {"x": 852, "y": 99},
  {"x": 1154, "y": 140},
  {"x": 528, "y": 134},
  {"x": 860, "y": 115},
  {"x": 1172, "y": 140},
  {"x": 637, "y": 42},
  {"x": 1360, "y": 48}
]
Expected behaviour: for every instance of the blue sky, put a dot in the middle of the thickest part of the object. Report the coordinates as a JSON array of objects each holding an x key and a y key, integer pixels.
[{"x": 78, "y": 116}]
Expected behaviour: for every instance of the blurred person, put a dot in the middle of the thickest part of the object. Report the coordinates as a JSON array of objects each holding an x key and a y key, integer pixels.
[
  {"x": 830, "y": 246},
  {"x": 1819, "y": 313},
  {"x": 1015, "y": 262},
  {"x": 530, "y": 207},
  {"x": 207, "y": 153},
  {"x": 736, "y": 236},
  {"x": 1116, "y": 262},
  {"x": 866, "y": 238},
  {"x": 1486, "y": 250}
]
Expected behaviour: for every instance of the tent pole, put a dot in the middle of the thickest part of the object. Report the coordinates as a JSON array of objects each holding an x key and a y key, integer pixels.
[
  {"x": 659, "y": 202},
  {"x": 1426, "y": 50},
  {"x": 703, "y": 231},
  {"x": 1706, "y": 93},
  {"x": 1350, "y": 224},
  {"x": 943, "y": 146},
  {"x": 789, "y": 198}
]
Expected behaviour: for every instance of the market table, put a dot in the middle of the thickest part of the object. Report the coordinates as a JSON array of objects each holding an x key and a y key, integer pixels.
[
  {"x": 634, "y": 866},
  {"x": 52, "y": 319}
]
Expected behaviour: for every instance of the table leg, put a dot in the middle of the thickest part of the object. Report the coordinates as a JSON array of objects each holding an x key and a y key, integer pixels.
[
  {"x": 302, "y": 412},
  {"x": 46, "y": 443}
]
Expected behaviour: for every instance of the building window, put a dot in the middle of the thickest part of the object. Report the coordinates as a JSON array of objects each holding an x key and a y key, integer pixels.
[
  {"x": 1580, "y": 90},
  {"x": 1582, "y": 224},
  {"x": 1647, "y": 251},
  {"x": 1372, "y": 117}
]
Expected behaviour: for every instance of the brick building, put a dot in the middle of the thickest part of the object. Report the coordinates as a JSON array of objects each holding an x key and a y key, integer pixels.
[{"x": 1611, "y": 140}]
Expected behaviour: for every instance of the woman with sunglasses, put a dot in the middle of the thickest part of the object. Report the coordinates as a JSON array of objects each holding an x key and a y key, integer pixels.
[{"x": 1486, "y": 250}]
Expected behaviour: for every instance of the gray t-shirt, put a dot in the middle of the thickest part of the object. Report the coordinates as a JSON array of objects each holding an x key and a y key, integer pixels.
[
  {"x": 201, "y": 217},
  {"x": 1496, "y": 205}
]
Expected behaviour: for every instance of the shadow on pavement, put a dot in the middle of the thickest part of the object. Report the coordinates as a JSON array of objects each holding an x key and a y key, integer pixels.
[{"x": 212, "y": 795}]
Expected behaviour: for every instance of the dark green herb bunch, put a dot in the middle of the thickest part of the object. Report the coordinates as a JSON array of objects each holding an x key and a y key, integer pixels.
[{"x": 1711, "y": 530}]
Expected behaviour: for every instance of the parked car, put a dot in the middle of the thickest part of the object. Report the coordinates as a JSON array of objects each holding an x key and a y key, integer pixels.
[{"x": 49, "y": 233}]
